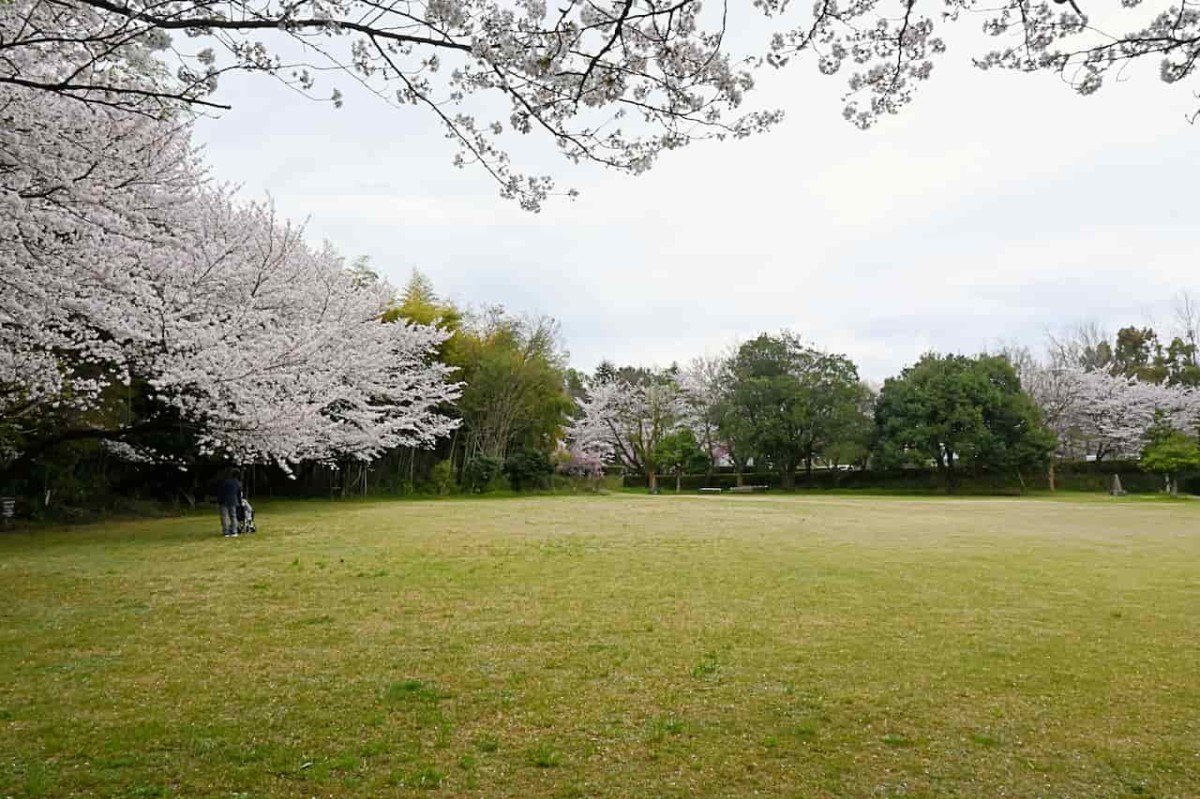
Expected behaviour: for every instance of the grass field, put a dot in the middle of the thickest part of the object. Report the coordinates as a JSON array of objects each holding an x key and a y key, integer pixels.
[{"x": 610, "y": 646}]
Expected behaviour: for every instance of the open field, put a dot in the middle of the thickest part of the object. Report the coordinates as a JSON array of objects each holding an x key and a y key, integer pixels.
[{"x": 610, "y": 646}]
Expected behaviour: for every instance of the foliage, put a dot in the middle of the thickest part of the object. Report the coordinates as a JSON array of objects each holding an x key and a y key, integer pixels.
[
  {"x": 1169, "y": 452},
  {"x": 704, "y": 406},
  {"x": 1074, "y": 477},
  {"x": 788, "y": 402},
  {"x": 420, "y": 304},
  {"x": 679, "y": 453},
  {"x": 443, "y": 476},
  {"x": 852, "y": 432},
  {"x": 528, "y": 469},
  {"x": 480, "y": 473},
  {"x": 953, "y": 409},
  {"x": 1136, "y": 353},
  {"x": 627, "y": 415},
  {"x": 515, "y": 395}
]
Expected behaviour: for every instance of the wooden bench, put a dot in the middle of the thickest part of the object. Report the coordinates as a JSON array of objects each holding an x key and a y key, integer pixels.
[
  {"x": 748, "y": 489},
  {"x": 710, "y": 491}
]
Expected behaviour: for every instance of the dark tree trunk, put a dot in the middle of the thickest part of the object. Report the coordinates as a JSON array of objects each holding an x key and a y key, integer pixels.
[{"x": 787, "y": 478}]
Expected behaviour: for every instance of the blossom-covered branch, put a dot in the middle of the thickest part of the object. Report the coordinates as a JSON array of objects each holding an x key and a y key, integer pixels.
[
  {"x": 124, "y": 270},
  {"x": 613, "y": 83}
]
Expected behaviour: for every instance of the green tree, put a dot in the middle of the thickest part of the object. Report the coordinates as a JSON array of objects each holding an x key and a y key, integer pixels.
[
  {"x": 515, "y": 396},
  {"x": 516, "y": 391},
  {"x": 419, "y": 303},
  {"x": 679, "y": 453},
  {"x": 788, "y": 402},
  {"x": 960, "y": 412},
  {"x": 1138, "y": 353},
  {"x": 1182, "y": 364},
  {"x": 1170, "y": 452},
  {"x": 852, "y": 429}
]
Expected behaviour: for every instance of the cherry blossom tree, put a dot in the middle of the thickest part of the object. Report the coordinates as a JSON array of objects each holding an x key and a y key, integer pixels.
[
  {"x": 263, "y": 348},
  {"x": 92, "y": 204},
  {"x": 124, "y": 270},
  {"x": 704, "y": 395},
  {"x": 627, "y": 421},
  {"x": 1102, "y": 415},
  {"x": 305, "y": 368},
  {"x": 616, "y": 82}
]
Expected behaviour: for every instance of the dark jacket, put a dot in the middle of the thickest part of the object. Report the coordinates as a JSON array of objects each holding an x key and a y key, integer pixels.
[{"x": 229, "y": 492}]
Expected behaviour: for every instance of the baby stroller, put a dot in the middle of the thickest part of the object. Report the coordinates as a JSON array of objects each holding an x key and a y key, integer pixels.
[{"x": 245, "y": 518}]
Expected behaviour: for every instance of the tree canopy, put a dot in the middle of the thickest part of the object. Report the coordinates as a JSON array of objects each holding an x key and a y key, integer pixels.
[
  {"x": 617, "y": 83},
  {"x": 787, "y": 402},
  {"x": 628, "y": 414},
  {"x": 1170, "y": 451},
  {"x": 956, "y": 410},
  {"x": 140, "y": 300}
]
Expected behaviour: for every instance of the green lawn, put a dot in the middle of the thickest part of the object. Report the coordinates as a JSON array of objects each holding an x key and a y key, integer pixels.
[{"x": 612, "y": 646}]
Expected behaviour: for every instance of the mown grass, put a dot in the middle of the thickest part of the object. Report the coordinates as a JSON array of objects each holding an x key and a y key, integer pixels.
[{"x": 610, "y": 646}]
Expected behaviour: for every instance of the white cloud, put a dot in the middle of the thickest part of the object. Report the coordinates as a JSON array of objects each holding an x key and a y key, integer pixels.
[{"x": 997, "y": 207}]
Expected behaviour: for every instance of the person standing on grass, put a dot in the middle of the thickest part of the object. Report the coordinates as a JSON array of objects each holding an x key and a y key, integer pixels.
[{"x": 229, "y": 497}]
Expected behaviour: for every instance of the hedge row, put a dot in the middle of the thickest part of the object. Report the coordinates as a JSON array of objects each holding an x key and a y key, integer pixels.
[{"x": 1080, "y": 476}]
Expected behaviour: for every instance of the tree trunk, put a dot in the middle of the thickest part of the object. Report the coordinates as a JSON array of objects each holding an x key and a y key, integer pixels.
[
  {"x": 787, "y": 478},
  {"x": 951, "y": 475},
  {"x": 1050, "y": 474},
  {"x": 678, "y": 480},
  {"x": 653, "y": 479}
]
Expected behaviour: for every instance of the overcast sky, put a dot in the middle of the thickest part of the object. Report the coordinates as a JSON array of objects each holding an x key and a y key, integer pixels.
[{"x": 995, "y": 208}]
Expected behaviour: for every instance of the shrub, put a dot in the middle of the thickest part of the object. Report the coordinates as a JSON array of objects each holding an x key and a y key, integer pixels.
[
  {"x": 527, "y": 468},
  {"x": 443, "y": 476},
  {"x": 480, "y": 472}
]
